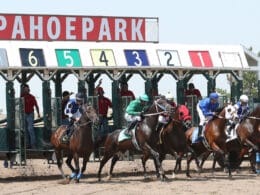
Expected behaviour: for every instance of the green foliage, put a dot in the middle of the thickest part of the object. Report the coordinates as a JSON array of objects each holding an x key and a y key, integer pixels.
[{"x": 250, "y": 83}]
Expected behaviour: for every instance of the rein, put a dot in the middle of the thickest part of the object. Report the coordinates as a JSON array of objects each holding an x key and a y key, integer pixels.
[
  {"x": 83, "y": 124},
  {"x": 157, "y": 112},
  {"x": 253, "y": 117}
]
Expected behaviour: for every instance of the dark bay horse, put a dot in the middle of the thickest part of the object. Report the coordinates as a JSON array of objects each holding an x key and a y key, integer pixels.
[
  {"x": 248, "y": 132},
  {"x": 171, "y": 139},
  {"x": 140, "y": 138},
  {"x": 214, "y": 137},
  {"x": 80, "y": 144}
]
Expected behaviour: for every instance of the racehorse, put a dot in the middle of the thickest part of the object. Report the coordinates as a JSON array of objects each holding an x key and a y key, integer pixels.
[
  {"x": 214, "y": 138},
  {"x": 80, "y": 144},
  {"x": 139, "y": 140},
  {"x": 171, "y": 139},
  {"x": 248, "y": 132}
]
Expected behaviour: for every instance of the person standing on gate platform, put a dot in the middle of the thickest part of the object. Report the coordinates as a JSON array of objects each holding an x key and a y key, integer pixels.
[
  {"x": 206, "y": 109},
  {"x": 103, "y": 105},
  {"x": 134, "y": 112},
  {"x": 29, "y": 104},
  {"x": 74, "y": 112},
  {"x": 124, "y": 91},
  {"x": 65, "y": 99},
  {"x": 192, "y": 91}
]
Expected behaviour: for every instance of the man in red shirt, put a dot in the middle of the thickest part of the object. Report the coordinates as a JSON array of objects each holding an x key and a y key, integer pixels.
[
  {"x": 124, "y": 91},
  {"x": 192, "y": 91},
  {"x": 29, "y": 104},
  {"x": 103, "y": 104}
]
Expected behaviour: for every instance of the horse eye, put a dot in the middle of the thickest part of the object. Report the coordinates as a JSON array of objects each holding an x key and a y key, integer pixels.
[
  {"x": 181, "y": 113},
  {"x": 229, "y": 110}
]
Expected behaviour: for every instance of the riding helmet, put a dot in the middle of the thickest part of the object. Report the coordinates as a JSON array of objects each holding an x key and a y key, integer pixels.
[
  {"x": 213, "y": 96},
  {"x": 243, "y": 98},
  {"x": 144, "y": 98},
  {"x": 79, "y": 96}
]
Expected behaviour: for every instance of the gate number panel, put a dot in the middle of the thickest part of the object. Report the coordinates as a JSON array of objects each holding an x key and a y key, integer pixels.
[
  {"x": 169, "y": 57},
  {"x": 103, "y": 57},
  {"x": 32, "y": 57},
  {"x": 136, "y": 58},
  {"x": 200, "y": 59},
  {"x": 68, "y": 57}
]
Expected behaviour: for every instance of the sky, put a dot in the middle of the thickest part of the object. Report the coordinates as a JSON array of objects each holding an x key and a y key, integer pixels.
[{"x": 183, "y": 22}]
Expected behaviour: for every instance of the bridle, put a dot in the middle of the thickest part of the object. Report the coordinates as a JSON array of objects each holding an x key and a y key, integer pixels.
[
  {"x": 165, "y": 109},
  {"x": 86, "y": 118}
]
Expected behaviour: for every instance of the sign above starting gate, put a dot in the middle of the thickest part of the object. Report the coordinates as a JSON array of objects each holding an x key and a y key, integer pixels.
[{"x": 78, "y": 28}]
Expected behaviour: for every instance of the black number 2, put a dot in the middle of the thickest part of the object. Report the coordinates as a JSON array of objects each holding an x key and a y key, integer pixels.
[{"x": 169, "y": 58}]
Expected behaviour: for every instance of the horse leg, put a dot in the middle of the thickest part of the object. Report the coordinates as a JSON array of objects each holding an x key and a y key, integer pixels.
[
  {"x": 195, "y": 156},
  {"x": 205, "y": 156},
  {"x": 156, "y": 157},
  {"x": 113, "y": 162},
  {"x": 106, "y": 157},
  {"x": 255, "y": 147},
  {"x": 144, "y": 159},
  {"x": 59, "y": 162},
  {"x": 68, "y": 162},
  {"x": 76, "y": 170},
  {"x": 84, "y": 165}
]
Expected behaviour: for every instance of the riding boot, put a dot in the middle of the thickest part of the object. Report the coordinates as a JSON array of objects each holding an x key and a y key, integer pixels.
[
  {"x": 69, "y": 132},
  {"x": 130, "y": 126},
  {"x": 200, "y": 130},
  {"x": 159, "y": 126}
]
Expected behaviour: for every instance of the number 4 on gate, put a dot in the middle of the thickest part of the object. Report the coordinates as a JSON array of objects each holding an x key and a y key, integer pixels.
[{"x": 103, "y": 57}]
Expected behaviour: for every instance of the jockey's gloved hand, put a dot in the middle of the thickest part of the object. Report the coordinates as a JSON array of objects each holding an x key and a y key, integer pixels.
[{"x": 142, "y": 115}]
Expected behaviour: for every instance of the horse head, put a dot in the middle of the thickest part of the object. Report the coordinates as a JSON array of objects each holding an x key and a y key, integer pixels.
[
  {"x": 183, "y": 114},
  {"x": 89, "y": 115},
  {"x": 229, "y": 112}
]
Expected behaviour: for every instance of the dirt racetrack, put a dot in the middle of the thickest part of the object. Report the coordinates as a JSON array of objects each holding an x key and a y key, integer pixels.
[{"x": 40, "y": 178}]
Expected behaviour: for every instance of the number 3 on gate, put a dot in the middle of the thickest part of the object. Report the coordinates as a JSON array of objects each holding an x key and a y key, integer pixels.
[{"x": 136, "y": 57}]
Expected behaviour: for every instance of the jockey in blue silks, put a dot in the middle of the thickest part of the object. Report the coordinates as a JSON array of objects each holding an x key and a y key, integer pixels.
[
  {"x": 73, "y": 110},
  {"x": 206, "y": 109},
  {"x": 242, "y": 111}
]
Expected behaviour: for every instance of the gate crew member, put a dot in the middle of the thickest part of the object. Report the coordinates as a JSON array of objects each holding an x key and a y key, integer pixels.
[
  {"x": 206, "y": 109},
  {"x": 134, "y": 111},
  {"x": 29, "y": 104},
  {"x": 103, "y": 104},
  {"x": 73, "y": 110}
]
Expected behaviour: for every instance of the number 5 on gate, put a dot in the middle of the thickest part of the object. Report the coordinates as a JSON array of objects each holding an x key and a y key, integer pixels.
[{"x": 68, "y": 57}]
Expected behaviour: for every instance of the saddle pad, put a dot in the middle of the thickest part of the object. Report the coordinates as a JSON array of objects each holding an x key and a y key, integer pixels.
[
  {"x": 122, "y": 136},
  {"x": 195, "y": 138}
]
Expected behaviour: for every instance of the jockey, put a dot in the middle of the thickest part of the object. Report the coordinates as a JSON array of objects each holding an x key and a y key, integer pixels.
[
  {"x": 242, "y": 107},
  {"x": 242, "y": 111},
  {"x": 164, "y": 118},
  {"x": 73, "y": 110},
  {"x": 206, "y": 109},
  {"x": 134, "y": 111}
]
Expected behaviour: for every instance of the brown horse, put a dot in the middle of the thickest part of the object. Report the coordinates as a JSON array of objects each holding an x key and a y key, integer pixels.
[
  {"x": 80, "y": 144},
  {"x": 172, "y": 140},
  {"x": 248, "y": 132},
  {"x": 140, "y": 138},
  {"x": 214, "y": 138}
]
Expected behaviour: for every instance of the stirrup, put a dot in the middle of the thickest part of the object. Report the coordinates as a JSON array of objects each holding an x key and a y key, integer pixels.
[{"x": 65, "y": 139}]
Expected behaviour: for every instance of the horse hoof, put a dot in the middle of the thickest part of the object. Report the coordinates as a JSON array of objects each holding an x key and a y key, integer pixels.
[
  {"x": 109, "y": 177},
  {"x": 173, "y": 176}
]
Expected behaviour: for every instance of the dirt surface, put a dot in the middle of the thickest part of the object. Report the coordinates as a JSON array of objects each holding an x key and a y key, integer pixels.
[{"x": 40, "y": 178}]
